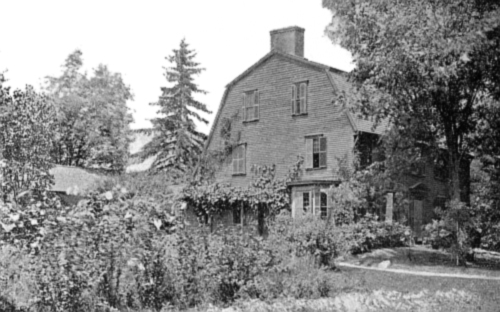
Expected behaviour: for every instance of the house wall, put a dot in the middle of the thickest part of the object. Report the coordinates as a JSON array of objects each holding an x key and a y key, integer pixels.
[{"x": 278, "y": 137}]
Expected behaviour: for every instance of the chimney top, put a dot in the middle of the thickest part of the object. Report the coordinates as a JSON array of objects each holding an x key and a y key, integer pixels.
[{"x": 288, "y": 40}]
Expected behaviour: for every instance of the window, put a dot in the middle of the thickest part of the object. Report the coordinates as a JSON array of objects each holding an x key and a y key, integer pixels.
[
  {"x": 306, "y": 201},
  {"x": 239, "y": 157},
  {"x": 323, "y": 205},
  {"x": 418, "y": 166},
  {"x": 251, "y": 101},
  {"x": 440, "y": 170},
  {"x": 368, "y": 149},
  {"x": 316, "y": 152},
  {"x": 299, "y": 98}
]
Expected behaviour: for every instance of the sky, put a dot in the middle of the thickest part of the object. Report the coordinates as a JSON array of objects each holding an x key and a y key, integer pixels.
[{"x": 134, "y": 37}]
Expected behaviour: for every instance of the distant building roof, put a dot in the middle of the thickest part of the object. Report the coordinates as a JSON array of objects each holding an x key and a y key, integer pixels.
[
  {"x": 140, "y": 138},
  {"x": 73, "y": 180},
  {"x": 365, "y": 125}
]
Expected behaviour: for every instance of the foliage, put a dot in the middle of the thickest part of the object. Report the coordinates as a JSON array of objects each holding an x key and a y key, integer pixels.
[
  {"x": 369, "y": 233},
  {"x": 364, "y": 190},
  {"x": 453, "y": 230},
  {"x": 177, "y": 145},
  {"x": 426, "y": 67},
  {"x": 26, "y": 132},
  {"x": 264, "y": 198},
  {"x": 92, "y": 117},
  {"x": 109, "y": 251},
  {"x": 485, "y": 202},
  {"x": 309, "y": 236}
]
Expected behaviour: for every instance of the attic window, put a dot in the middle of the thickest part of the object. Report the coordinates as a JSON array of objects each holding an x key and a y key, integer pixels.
[
  {"x": 251, "y": 102},
  {"x": 299, "y": 98}
]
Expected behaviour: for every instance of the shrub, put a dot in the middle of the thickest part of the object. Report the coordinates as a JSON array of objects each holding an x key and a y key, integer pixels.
[
  {"x": 454, "y": 230},
  {"x": 368, "y": 234}
]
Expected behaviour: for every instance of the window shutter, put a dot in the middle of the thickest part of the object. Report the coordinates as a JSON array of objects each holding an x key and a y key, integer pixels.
[
  {"x": 303, "y": 89},
  {"x": 243, "y": 98},
  {"x": 309, "y": 153},
  {"x": 317, "y": 201},
  {"x": 257, "y": 103},
  {"x": 235, "y": 160},
  {"x": 322, "y": 154},
  {"x": 294, "y": 95}
]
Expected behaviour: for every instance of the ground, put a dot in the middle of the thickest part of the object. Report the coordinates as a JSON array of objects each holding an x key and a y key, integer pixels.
[{"x": 385, "y": 290}]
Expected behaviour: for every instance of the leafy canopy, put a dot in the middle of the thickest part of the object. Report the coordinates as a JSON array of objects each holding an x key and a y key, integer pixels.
[
  {"x": 426, "y": 66},
  {"x": 92, "y": 116},
  {"x": 26, "y": 132}
]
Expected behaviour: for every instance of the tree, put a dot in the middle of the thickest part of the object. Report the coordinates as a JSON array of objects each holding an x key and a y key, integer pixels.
[
  {"x": 425, "y": 66},
  {"x": 26, "y": 132},
  {"x": 177, "y": 144},
  {"x": 93, "y": 118}
]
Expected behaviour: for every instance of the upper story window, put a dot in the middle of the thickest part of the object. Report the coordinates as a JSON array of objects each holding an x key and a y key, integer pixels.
[
  {"x": 299, "y": 98},
  {"x": 368, "y": 149},
  {"x": 251, "y": 102},
  {"x": 315, "y": 152},
  {"x": 417, "y": 167},
  {"x": 440, "y": 168},
  {"x": 239, "y": 159}
]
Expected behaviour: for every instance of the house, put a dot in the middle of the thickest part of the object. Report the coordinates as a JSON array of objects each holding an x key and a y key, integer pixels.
[{"x": 282, "y": 107}]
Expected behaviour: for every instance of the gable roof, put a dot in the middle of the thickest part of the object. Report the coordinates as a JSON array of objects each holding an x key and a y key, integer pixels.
[
  {"x": 336, "y": 82},
  {"x": 73, "y": 179}
]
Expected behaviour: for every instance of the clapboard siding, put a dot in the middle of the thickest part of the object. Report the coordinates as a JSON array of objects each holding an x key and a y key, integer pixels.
[{"x": 278, "y": 137}]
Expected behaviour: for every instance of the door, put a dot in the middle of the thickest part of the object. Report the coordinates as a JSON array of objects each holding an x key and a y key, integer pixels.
[{"x": 416, "y": 218}]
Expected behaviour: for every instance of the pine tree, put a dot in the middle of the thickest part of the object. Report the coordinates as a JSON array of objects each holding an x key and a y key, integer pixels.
[{"x": 176, "y": 144}]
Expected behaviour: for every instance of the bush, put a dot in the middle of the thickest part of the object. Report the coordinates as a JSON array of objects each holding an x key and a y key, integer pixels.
[
  {"x": 368, "y": 234},
  {"x": 309, "y": 235}
]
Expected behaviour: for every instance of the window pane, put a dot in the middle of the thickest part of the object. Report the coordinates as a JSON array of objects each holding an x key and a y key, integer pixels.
[
  {"x": 302, "y": 105},
  {"x": 315, "y": 145},
  {"x": 241, "y": 166},
  {"x": 315, "y": 160},
  {"x": 305, "y": 200},
  {"x": 256, "y": 111},
  {"x": 249, "y": 112},
  {"x": 324, "y": 200},
  {"x": 302, "y": 90},
  {"x": 235, "y": 166}
]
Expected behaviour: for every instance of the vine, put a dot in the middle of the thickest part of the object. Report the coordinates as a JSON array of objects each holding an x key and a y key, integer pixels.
[{"x": 264, "y": 198}]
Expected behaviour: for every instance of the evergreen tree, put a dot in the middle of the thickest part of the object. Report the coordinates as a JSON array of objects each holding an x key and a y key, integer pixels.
[{"x": 176, "y": 144}]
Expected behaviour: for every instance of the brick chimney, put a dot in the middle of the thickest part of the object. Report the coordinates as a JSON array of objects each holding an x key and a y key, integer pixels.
[{"x": 288, "y": 40}]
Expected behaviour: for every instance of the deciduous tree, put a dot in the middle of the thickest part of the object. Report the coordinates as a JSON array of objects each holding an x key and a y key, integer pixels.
[
  {"x": 93, "y": 119},
  {"x": 26, "y": 132},
  {"x": 426, "y": 66}
]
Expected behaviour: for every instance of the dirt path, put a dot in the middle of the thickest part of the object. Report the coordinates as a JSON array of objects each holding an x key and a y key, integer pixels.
[{"x": 418, "y": 260}]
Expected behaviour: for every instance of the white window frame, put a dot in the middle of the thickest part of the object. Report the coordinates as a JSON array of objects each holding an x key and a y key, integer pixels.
[
  {"x": 251, "y": 108},
  {"x": 239, "y": 159},
  {"x": 322, "y": 152}
]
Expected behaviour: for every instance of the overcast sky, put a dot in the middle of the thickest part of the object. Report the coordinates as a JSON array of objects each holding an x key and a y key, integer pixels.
[{"x": 133, "y": 38}]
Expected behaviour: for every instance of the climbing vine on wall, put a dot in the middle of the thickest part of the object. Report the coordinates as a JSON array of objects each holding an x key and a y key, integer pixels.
[{"x": 264, "y": 197}]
